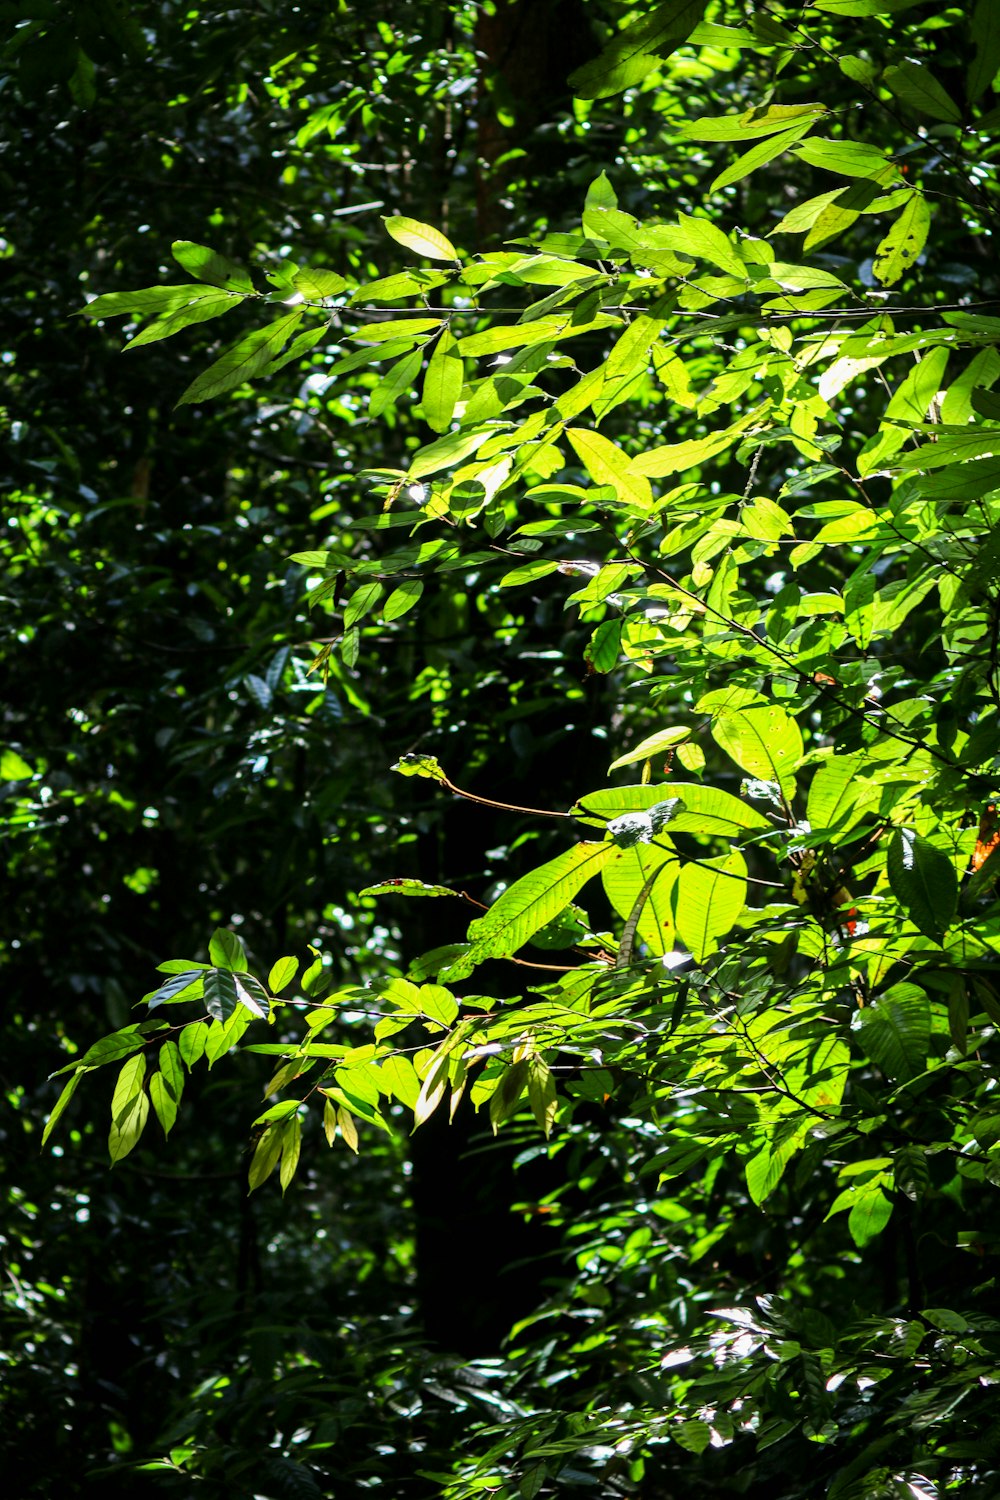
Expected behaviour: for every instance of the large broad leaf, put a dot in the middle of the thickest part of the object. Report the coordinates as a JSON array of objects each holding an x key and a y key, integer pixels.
[
  {"x": 707, "y": 899},
  {"x": 923, "y": 880},
  {"x": 764, "y": 741},
  {"x": 916, "y": 86},
  {"x": 704, "y": 809},
  {"x": 531, "y": 902},
  {"x": 627, "y": 875},
  {"x": 895, "y": 1031},
  {"x": 242, "y": 360},
  {"x": 635, "y": 51}
]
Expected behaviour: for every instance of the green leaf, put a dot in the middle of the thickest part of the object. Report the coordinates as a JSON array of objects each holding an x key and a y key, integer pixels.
[
  {"x": 265, "y": 1157},
  {"x": 69, "y": 1089},
  {"x": 388, "y": 332},
  {"x": 226, "y": 951},
  {"x": 707, "y": 899},
  {"x": 211, "y": 306},
  {"x": 635, "y": 51},
  {"x": 242, "y": 360},
  {"x": 291, "y": 1145},
  {"x": 870, "y": 1213},
  {"x": 542, "y": 1094},
  {"x": 396, "y": 381},
  {"x": 760, "y": 155},
  {"x": 442, "y": 383},
  {"x": 652, "y": 745},
  {"x": 924, "y": 882},
  {"x": 157, "y": 300},
  {"x": 14, "y": 768},
  {"x": 426, "y": 766},
  {"x": 422, "y": 239},
  {"x": 986, "y": 37},
  {"x": 707, "y": 809},
  {"x": 167, "y": 1086},
  {"x": 111, "y": 1048},
  {"x": 764, "y": 741},
  {"x": 129, "y": 1108},
  {"x": 532, "y": 901},
  {"x": 191, "y": 1042},
  {"x": 281, "y": 975},
  {"x": 506, "y": 1097},
  {"x": 915, "y": 86},
  {"x": 606, "y": 463},
  {"x": 221, "y": 998},
  {"x": 399, "y": 1078},
  {"x": 315, "y": 282},
  {"x": 644, "y": 873},
  {"x": 208, "y": 265},
  {"x": 445, "y": 452},
  {"x": 904, "y": 242},
  {"x": 848, "y": 158},
  {"x": 895, "y": 1031},
  {"x": 402, "y": 599},
  {"x": 362, "y": 602}
]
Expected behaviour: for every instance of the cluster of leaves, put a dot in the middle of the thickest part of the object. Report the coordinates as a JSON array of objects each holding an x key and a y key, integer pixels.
[{"x": 769, "y": 490}]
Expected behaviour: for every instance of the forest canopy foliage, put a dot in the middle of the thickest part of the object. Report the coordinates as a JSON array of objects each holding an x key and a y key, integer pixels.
[{"x": 580, "y": 545}]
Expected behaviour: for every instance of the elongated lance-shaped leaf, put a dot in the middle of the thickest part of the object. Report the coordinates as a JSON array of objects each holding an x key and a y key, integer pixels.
[
  {"x": 243, "y": 360},
  {"x": 531, "y": 902},
  {"x": 634, "y": 52},
  {"x": 624, "y": 955}
]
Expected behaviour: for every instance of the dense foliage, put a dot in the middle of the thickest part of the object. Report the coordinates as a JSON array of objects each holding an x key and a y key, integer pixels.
[{"x": 617, "y": 461}]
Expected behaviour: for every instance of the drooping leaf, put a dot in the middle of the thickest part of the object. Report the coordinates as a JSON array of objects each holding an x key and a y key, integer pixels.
[
  {"x": 904, "y": 241},
  {"x": 242, "y": 360},
  {"x": 635, "y": 51},
  {"x": 923, "y": 880},
  {"x": 226, "y": 951},
  {"x": 532, "y": 901},
  {"x": 707, "y": 899},
  {"x": 69, "y": 1089},
  {"x": 442, "y": 383},
  {"x": 895, "y": 1031},
  {"x": 221, "y": 998}
]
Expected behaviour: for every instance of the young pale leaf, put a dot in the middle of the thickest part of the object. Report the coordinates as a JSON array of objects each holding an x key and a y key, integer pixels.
[
  {"x": 209, "y": 266},
  {"x": 348, "y": 1128},
  {"x": 904, "y": 242},
  {"x": 707, "y": 900},
  {"x": 226, "y": 951},
  {"x": 242, "y": 360},
  {"x": 315, "y": 282},
  {"x": 652, "y": 745},
  {"x": 129, "y": 1108},
  {"x": 407, "y": 887},
  {"x": 422, "y": 239},
  {"x": 634, "y": 52},
  {"x": 923, "y": 880}
]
